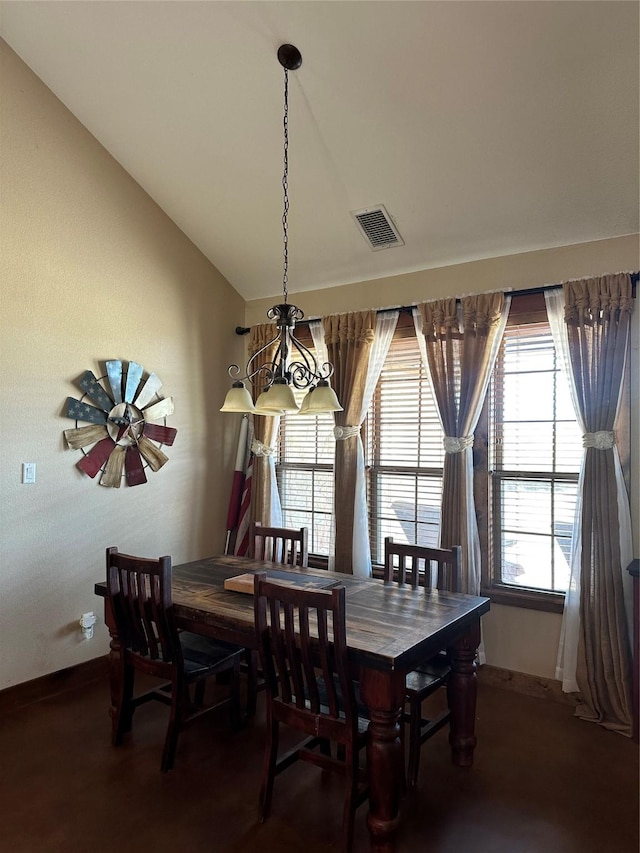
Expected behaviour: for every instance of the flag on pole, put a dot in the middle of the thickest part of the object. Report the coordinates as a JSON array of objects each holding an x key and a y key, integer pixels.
[
  {"x": 243, "y": 533},
  {"x": 235, "y": 499}
]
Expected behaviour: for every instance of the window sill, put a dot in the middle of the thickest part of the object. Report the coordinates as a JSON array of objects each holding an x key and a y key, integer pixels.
[{"x": 552, "y": 602}]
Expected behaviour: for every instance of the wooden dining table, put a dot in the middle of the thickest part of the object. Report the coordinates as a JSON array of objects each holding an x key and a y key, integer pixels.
[{"x": 390, "y": 629}]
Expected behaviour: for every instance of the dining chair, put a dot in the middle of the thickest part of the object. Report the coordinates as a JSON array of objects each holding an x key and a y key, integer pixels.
[
  {"x": 309, "y": 687},
  {"x": 284, "y": 545},
  {"x": 431, "y": 568},
  {"x": 139, "y": 593}
]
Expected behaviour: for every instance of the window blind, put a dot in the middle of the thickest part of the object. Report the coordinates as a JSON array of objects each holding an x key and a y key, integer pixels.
[{"x": 404, "y": 452}]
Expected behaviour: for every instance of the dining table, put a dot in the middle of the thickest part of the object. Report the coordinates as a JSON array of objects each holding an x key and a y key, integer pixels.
[{"x": 391, "y": 628}]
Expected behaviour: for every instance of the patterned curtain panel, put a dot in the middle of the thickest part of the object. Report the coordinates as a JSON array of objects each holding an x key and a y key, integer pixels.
[
  {"x": 459, "y": 344},
  {"x": 595, "y": 653},
  {"x": 265, "y": 500}
]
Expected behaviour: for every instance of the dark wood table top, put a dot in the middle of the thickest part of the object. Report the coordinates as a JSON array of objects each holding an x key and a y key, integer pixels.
[{"x": 388, "y": 627}]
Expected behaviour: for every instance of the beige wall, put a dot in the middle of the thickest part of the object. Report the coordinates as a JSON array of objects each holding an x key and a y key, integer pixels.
[
  {"x": 92, "y": 269},
  {"x": 515, "y": 638}
]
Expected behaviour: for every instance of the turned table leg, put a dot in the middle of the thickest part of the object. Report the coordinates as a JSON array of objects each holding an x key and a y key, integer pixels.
[
  {"x": 115, "y": 669},
  {"x": 383, "y": 692},
  {"x": 461, "y": 690}
]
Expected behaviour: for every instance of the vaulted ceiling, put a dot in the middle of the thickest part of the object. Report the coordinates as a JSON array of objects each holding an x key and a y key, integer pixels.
[{"x": 485, "y": 128}]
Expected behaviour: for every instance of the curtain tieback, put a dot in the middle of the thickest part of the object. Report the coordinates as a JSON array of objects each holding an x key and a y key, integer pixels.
[
  {"x": 341, "y": 433},
  {"x": 456, "y": 444},
  {"x": 603, "y": 440},
  {"x": 260, "y": 449}
]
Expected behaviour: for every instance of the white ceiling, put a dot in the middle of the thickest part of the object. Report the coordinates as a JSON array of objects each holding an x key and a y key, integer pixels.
[{"x": 485, "y": 128}]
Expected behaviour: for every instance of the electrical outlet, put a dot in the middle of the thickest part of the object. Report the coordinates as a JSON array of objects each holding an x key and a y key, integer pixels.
[
  {"x": 87, "y": 621},
  {"x": 28, "y": 472}
]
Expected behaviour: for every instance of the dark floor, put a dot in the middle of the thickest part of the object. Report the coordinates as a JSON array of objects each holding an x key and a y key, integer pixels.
[{"x": 543, "y": 782}]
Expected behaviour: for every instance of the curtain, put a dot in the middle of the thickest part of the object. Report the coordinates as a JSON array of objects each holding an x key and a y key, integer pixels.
[
  {"x": 590, "y": 321},
  {"x": 265, "y": 499},
  {"x": 459, "y": 344},
  {"x": 357, "y": 345}
]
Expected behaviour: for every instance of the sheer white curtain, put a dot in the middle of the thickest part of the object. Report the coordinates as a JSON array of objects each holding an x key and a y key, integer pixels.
[
  {"x": 385, "y": 327},
  {"x": 322, "y": 354},
  {"x": 566, "y": 665},
  {"x": 265, "y": 498},
  {"x": 275, "y": 505}
]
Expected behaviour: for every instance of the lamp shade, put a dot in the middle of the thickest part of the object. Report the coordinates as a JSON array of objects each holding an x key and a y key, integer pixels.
[
  {"x": 276, "y": 400},
  {"x": 304, "y": 406},
  {"x": 320, "y": 399},
  {"x": 238, "y": 399}
]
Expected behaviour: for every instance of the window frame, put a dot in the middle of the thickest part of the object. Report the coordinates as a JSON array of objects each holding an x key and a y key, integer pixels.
[{"x": 525, "y": 308}]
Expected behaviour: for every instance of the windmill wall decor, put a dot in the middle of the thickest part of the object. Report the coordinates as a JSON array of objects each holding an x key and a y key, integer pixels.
[{"x": 121, "y": 416}]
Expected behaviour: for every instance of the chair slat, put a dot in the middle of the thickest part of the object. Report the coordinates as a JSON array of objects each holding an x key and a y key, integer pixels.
[
  {"x": 294, "y": 660},
  {"x": 309, "y": 671}
]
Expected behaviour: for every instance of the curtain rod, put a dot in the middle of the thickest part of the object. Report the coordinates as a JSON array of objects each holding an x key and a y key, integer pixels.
[{"x": 407, "y": 309}]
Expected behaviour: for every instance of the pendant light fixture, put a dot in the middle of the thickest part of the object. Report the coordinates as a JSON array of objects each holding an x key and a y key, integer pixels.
[{"x": 293, "y": 364}]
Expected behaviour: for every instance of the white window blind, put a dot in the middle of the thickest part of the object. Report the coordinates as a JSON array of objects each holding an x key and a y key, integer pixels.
[
  {"x": 404, "y": 452},
  {"x": 304, "y": 472}
]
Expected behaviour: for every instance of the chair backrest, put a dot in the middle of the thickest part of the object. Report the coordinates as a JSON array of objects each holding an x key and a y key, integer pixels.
[
  {"x": 303, "y": 649},
  {"x": 139, "y": 591},
  {"x": 280, "y": 544},
  {"x": 418, "y": 565}
]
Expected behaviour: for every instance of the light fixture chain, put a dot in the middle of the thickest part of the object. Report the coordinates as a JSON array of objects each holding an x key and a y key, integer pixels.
[{"x": 285, "y": 187}]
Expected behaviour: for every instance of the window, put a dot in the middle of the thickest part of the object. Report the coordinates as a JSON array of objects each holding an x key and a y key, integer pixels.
[
  {"x": 531, "y": 465},
  {"x": 304, "y": 471},
  {"x": 527, "y": 456},
  {"x": 402, "y": 438},
  {"x": 404, "y": 450}
]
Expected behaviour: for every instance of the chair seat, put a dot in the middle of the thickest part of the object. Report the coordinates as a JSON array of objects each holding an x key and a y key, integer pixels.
[
  {"x": 363, "y": 712},
  {"x": 427, "y": 677},
  {"x": 202, "y": 654}
]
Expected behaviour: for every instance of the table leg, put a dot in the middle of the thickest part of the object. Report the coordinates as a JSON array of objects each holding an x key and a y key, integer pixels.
[
  {"x": 462, "y": 689},
  {"x": 383, "y": 693},
  {"x": 115, "y": 669}
]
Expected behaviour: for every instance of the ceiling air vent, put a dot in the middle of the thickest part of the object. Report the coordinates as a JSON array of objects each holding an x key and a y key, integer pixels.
[{"x": 377, "y": 227}]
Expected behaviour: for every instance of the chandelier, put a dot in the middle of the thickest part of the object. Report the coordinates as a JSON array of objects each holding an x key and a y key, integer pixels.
[{"x": 293, "y": 365}]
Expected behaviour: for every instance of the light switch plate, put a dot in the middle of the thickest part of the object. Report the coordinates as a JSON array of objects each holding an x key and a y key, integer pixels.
[{"x": 28, "y": 472}]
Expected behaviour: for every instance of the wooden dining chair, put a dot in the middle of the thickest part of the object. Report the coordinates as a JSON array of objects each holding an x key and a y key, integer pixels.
[
  {"x": 284, "y": 545},
  {"x": 431, "y": 568},
  {"x": 303, "y": 650},
  {"x": 139, "y": 593}
]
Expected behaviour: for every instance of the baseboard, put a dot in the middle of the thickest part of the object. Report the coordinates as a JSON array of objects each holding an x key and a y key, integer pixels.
[
  {"x": 38, "y": 689},
  {"x": 530, "y": 685},
  {"x": 29, "y": 692}
]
